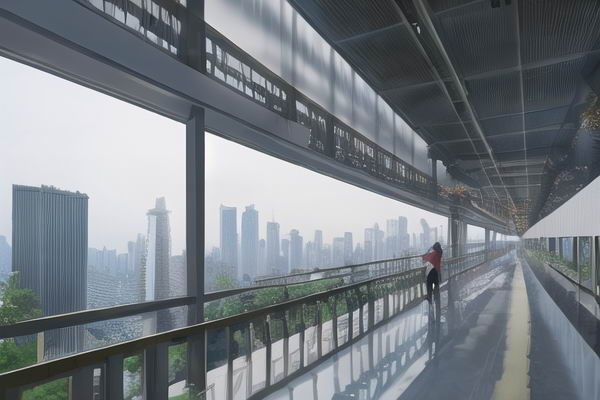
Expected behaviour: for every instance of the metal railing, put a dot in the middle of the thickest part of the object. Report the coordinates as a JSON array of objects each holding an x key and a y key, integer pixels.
[{"x": 246, "y": 355}]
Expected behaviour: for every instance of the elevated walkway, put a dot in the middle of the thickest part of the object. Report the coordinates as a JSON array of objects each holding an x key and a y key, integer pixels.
[{"x": 496, "y": 334}]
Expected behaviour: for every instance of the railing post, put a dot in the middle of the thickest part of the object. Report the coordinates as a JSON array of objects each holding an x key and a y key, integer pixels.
[
  {"x": 302, "y": 336},
  {"x": 371, "y": 307},
  {"x": 114, "y": 377},
  {"x": 156, "y": 372},
  {"x": 286, "y": 344},
  {"x": 82, "y": 383},
  {"x": 350, "y": 312},
  {"x": 250, "y": 339},
  {"x": 229, "y": 337},
  {"x": 269, "y": 355},
  {"x": 196, "y": 352},
  {"x": 319, "y": 323},
  {"x": 334, "y": 320}
]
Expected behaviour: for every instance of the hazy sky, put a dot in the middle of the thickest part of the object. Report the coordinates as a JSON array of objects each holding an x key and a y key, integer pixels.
[
  {"x": 55, "y": 132},
  {"x": 294, "y": 196}
]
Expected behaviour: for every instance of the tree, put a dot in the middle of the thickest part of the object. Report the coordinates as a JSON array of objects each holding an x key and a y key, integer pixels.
[{"x": 17, "y": 305}]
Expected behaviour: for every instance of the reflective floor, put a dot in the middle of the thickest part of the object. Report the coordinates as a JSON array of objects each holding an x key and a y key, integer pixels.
[{"x": 495, "y": 333}]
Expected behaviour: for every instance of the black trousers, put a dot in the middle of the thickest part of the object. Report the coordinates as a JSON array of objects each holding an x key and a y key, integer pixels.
[{"x": 432, "y": 278}]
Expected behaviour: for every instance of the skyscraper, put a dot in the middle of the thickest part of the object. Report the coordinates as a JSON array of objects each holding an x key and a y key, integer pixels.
[
  {"x": 156, "y": 270},
  {"x": 348, "y": 248},
  {"x": 5, "y": 258},
  {"x": 249, "y": 261},
  {"x": 425, "y": 235},
  {"x": 338, "y": 251},
  {"x": 50, "y": 240},
  {"x": 403, "y": 233},
  {"x": 285, "y": 256},
  {"x": 392, "y": 238},
  {"x": 273, "y": 260},
  {"x": 318, "y": 248},
  {"x": 229, "y": 250},
  {"x": 295, "y": 249},
  {"x": 262, "y": 257}
]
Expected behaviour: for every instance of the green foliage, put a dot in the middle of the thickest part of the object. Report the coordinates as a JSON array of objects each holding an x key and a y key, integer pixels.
[
  {"x": 17, "y": 304},
  {"x": 177, "y": 359},
  {"x": 13, "y": 356},
  {"x": 55, "y": 390},
  {"x": 133, "y": 364},
  {"x": 223, "y": 282}
]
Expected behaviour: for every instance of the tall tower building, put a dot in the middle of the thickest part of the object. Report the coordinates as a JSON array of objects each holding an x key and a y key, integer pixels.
[
  {"x": 348, "y": 248},
  {"x": 338, "y": 251},
  {"x": 403, "y": 233},
  {"x": 295, "y": 249},
  {"x": 158, "y": 252},
  {"x": 50, "y": 244},
  {"x": 229, "y": 250},
  {"x": 318, "y": 248},
  {"x": 272, "y": 248},
  {"x": 262, "y": 257},
  {"x": 5, "y": 257},
  {"x": 249, "y": 261},
  {"x": 285, "y": 256}
]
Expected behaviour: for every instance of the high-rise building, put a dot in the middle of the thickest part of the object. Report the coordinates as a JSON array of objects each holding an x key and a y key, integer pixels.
[
  {"x": 50, "y": 243},
  {"x": 5, "y": 258},
  {"x": 359, "y": 257},
  {"x": 425, "y": 235},
  {"x": 249, "y": 259},
  {"x": 285, "y": 256},
  {"x": 295, "y": 250},
  {"x": 262, "y": 257},
  {"x": 229, "y": 239},
  {"x": 309, "y": 255},
  {"x": 158, "y": 253},
  {"x": 374, "y": 248},
  {"x": 273, "y": 260},
  {"x": 326, "y": 254},
  {"x": 404, "y": 236},
  {"x": 392, "y": 238},
  {"x": 318, "y": 246},
  {"x": 348, "y": 248},
  {"x": 136, "y": 259},
  {"x": 338, "y": 251}
]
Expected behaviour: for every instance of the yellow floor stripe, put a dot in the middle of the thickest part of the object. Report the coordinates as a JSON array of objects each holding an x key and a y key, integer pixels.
[{"x": 514, "y": 383}]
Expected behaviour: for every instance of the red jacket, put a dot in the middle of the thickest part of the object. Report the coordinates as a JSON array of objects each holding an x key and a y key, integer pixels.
[{"x": 435, "y": 258}]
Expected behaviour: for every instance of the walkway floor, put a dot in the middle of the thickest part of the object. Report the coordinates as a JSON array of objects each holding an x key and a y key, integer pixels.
[{"x": 484, "y": 341}]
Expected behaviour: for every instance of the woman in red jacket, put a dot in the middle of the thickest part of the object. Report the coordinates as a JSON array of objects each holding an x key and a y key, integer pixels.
[{"x": 434, "y": 272}]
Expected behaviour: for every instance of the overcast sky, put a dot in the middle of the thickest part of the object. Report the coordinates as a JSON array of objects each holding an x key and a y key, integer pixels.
[{"x": 57, "y": 133}]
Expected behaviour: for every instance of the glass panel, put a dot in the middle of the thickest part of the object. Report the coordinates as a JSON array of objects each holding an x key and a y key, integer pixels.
[
  {"x": 277, "y": 230},
  {"x": 240, "y": 347},
  {"x": 276, "y": 328},
  {"x": 216, "y": 363},
  {"x": 55, "y": 390},
  {"x": 259, "y": 354},
  {"x": 585, "y": 261},
  {"x": 133, "y": 377},
  {"x": 92, "y": 160},
  {"x": 178, "y": 389}
]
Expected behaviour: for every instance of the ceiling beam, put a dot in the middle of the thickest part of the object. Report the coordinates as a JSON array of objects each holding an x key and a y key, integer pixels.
[
  {"x": 508, "y": 70},
  {"x": 369, "y": 34},
  {"x": 424, "y": 14},
  {"x": 551, "y": 127}
]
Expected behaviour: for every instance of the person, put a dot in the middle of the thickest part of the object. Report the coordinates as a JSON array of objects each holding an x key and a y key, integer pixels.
[{"x": 433, "y": 271}]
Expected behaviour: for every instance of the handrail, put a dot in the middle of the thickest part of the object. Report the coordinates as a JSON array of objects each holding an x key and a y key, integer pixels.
[
  {"x": 33, "y": 326},
  {"x": 317, "y": 270},
  {"x": 12, "y": 382},
  {"x": 216, "y": 295},
  {"x": 46, "y": 369}
]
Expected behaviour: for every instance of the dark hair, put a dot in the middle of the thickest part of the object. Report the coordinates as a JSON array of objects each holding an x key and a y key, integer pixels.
[{"x": 438, "y": 247}]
